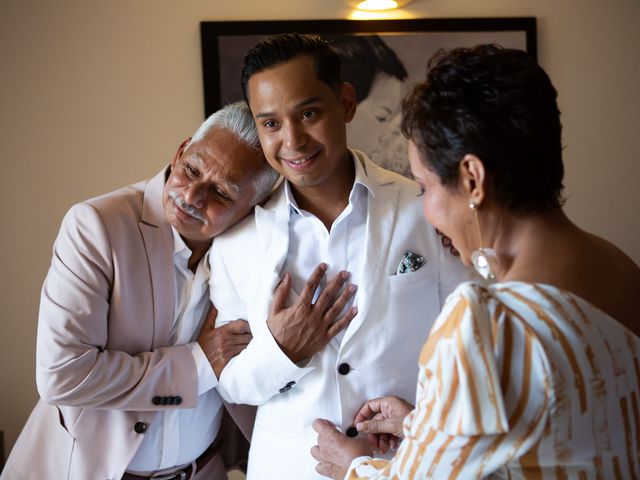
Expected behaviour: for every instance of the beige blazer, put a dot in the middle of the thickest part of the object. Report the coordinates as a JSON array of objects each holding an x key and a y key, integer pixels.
[{"x": 103, "y": 350}]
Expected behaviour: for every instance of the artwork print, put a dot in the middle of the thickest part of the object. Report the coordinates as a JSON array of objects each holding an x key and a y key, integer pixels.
[{"x": 382, "y": 59}]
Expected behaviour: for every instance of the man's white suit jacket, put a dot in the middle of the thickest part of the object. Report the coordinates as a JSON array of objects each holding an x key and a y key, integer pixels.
[{"x": 379, "y": 352}]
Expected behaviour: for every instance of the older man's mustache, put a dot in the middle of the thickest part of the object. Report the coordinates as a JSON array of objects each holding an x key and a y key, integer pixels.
[{"x": 187, "y": 208}]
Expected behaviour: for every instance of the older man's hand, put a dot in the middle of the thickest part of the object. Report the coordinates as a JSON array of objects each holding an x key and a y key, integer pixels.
[
  {"x": 335, "y": 451},
  {"x": 223, "y": 343}
]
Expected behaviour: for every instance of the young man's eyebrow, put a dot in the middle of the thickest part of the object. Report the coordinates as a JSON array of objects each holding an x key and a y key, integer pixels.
[{"x": 303, "y": 103}]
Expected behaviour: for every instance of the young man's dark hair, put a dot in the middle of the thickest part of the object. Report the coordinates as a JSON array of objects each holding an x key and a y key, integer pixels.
[
  {"x": 281, "y": 48},
  {"x": 363, "y": 58},
  {"x": 499, "y": 105}
]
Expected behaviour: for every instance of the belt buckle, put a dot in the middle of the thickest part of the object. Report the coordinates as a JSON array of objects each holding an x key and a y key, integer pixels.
[{"x": 179, "y": 475}]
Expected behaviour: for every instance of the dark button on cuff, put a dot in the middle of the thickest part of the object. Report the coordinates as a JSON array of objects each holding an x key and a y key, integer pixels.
[
  {"x": 344, "y": 368},
  {"x": 178, "y": 400},
  {"x": 352, "y": 432},
  {"x": 287, "y": 387},
  {"x": 156, "y": 400},
  {"x": 140, "y": 427}
]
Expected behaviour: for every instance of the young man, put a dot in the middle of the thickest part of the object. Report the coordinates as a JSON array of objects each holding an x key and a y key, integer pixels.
[
  {"x": 123, "y": 357},
  {"x": 338, "y": 209}
]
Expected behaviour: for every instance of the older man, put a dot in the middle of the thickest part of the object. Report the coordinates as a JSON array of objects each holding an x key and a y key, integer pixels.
[{"x": 124, "y": 353}]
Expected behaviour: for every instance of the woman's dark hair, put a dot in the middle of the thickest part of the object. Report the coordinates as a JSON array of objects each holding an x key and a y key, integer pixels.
[
  {"x": 499, "y": 105},
  {"x": 363, "y": 57},
  {"x": 281, "y": 48}
]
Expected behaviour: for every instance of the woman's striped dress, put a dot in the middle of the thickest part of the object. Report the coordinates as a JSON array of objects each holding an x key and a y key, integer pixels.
[{"x": 521, "y": 380}]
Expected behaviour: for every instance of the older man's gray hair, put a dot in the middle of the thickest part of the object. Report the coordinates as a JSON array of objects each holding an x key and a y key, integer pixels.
[{"x": 237, "y": 119}]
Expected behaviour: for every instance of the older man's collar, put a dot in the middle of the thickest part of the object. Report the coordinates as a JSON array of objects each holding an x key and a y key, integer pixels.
[
  {"x": 152, "y": 207},
  {"x": 180, "y": 249}
]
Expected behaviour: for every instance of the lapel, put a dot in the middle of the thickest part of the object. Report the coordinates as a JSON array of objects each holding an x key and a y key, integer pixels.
[
  {"x": 382, "y": 206},
  {"x": 272, "y": 225},
  {"x": 158, "y": 244}
]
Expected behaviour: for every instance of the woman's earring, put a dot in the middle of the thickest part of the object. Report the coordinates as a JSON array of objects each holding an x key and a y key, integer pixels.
[{"x": 482, "y": 258}]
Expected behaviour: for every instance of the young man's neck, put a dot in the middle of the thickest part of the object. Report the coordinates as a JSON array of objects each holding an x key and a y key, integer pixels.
[{"x": 327, "y": 201}]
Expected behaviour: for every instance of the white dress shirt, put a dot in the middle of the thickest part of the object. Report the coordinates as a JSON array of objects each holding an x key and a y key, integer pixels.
[
  {"x": 342, "y": 248},
  {"x": 178, "y": 436}
]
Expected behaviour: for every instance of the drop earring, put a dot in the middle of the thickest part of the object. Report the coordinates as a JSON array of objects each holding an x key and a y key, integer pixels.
[{"x": 482, "y": 258}]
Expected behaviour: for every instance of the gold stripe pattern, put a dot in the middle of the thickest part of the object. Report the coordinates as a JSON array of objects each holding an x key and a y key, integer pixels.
[{"x": 526, "y": 380}]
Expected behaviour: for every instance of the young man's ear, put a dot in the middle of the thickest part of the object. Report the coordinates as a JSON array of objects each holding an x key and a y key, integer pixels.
[
  {"x": 348, "y": 101},
  {"x": 183, "y": 146},
  {"x": 473, "y": 178}
]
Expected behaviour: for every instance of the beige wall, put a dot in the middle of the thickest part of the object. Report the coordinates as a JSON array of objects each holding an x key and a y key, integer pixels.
[{"x": 95, "y": 95}]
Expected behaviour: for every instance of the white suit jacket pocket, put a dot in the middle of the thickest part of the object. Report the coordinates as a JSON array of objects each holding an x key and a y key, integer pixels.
[
  {"x": 410, "y": 296},
  {"x": 401, "y": 280}
]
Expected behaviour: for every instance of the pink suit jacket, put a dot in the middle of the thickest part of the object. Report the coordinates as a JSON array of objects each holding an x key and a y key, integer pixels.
[{"x": 103, "y": 350}]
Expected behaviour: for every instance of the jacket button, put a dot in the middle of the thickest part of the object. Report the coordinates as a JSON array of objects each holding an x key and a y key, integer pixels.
[
  {"x": 178, "y": 400},
  {"x": 344, "y": 368},
  {"x": 287, "y": 387},
  {"x": 140, "y": 427},
  {"x": 352, "y": 432},
  {"x": 156, "y": 400}
]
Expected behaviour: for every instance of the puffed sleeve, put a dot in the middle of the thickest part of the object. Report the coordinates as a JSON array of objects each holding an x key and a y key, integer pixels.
[{"x": 473, "y": 413}]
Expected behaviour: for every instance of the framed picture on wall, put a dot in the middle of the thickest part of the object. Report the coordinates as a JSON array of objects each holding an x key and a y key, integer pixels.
[{"x": 381, "y": 58}]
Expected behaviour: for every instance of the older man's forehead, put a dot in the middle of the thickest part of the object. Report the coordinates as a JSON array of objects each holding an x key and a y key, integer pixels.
[{"x": 217, "y": 168}]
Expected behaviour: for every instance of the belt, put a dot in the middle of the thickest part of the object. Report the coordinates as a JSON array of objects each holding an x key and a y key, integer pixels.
[{"x": 186, "y": 472}]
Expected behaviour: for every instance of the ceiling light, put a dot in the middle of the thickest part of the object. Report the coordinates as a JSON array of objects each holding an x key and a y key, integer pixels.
[{"x": 373, "y": 5}]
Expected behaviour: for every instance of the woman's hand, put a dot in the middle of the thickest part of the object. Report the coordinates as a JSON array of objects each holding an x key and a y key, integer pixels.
[
  {"x": 335, "y": 451},
  {"x": 381, "y": 419}
]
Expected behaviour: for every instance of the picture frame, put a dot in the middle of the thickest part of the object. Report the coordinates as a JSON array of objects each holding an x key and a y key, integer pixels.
[{"x": 382, "y": 58}]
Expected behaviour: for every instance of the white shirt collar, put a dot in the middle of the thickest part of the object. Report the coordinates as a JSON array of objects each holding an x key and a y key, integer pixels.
[
  {"x": 361, "y": 186},
  {"x": 183, "y": 252}
]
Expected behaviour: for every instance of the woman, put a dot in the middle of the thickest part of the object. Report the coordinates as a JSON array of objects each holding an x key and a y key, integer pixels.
[{"x": 536, "y": 375}]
